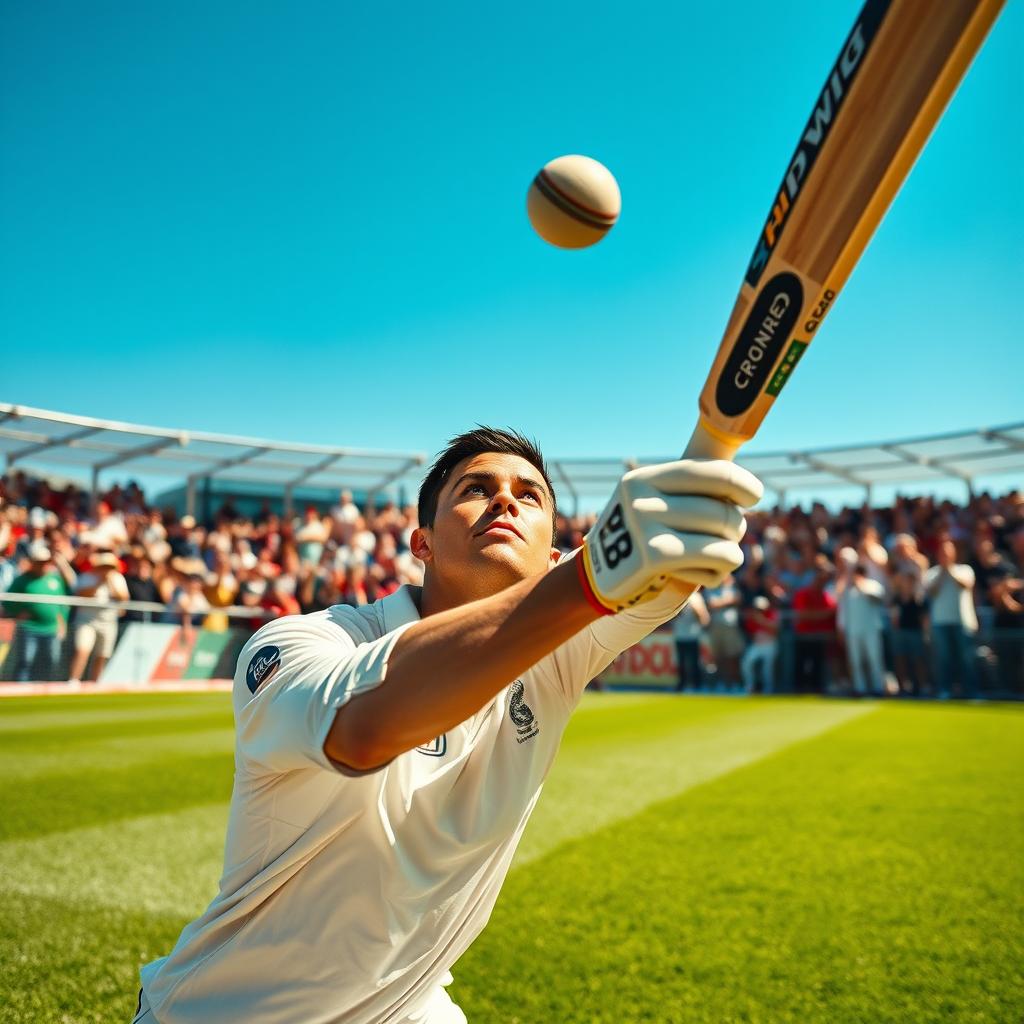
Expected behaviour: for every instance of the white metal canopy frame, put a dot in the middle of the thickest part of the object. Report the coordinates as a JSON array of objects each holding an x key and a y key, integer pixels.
[
  {"x": 41, "y": 438},
  {"x": 55, "y": 440},
  {"x": 964, "y": 455}
]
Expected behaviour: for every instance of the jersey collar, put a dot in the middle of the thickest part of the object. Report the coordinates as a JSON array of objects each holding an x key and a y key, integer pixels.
[{"x": 398, "y": 609}]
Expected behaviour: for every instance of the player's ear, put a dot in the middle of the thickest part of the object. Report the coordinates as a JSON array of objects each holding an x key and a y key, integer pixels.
[
  {"x": 555, "y": 556},
  {"x": 420, "y": 544}
]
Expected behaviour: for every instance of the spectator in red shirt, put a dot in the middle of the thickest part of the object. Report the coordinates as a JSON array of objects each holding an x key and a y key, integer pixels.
[
  {"x": 762, "y": 622},
  {"x": 814, "y": 614}
]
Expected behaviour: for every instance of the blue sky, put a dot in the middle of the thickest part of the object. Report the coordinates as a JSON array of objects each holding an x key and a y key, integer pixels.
[{"x": 306, "y": 221}]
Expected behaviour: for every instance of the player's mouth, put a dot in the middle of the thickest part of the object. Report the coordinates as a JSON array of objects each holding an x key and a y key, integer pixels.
[{"x": 500, "y": 526}]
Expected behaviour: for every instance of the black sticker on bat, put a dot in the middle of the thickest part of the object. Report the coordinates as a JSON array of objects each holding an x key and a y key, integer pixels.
[{"x": 757, "y": 347}]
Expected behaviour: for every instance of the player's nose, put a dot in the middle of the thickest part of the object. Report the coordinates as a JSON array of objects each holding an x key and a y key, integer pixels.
[{"x": 504, "y": 501}]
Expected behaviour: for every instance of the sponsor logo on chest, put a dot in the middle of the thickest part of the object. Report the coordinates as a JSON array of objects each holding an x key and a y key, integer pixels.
[{"x": 521, "y": 713}]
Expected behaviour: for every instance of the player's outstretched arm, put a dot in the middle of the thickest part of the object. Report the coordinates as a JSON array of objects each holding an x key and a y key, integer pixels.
[
  {"x": 681, "y": 521},
  {"x": 447, "y": 666}
]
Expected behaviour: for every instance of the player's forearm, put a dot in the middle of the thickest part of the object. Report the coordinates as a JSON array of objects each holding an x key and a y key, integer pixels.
[{"x": 448, "y": 666}]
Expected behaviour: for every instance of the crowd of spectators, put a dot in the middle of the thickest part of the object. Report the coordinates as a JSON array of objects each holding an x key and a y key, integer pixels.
[
  {"x": 52, "y": 542},
  {"x": 924, "y": 597},
  {"x": 871, "y": 599}
]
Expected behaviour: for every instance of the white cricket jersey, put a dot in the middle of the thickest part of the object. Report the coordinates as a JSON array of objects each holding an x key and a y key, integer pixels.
[{"x": 346, "y": 898}]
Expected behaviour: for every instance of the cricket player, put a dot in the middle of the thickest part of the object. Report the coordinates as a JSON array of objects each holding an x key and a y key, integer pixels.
[{"x": 388, "y": 757}]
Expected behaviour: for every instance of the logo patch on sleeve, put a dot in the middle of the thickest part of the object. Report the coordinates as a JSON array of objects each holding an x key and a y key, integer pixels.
[{"x": 263, "y": 666}]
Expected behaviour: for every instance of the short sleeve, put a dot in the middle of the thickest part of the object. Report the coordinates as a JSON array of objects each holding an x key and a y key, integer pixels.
[
  {"x": 291, "y": 678},
  {"x": 594, "y": 648}
]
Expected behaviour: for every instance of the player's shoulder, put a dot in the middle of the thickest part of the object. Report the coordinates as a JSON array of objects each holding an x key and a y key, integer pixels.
[{"x": 340, "y": 625}]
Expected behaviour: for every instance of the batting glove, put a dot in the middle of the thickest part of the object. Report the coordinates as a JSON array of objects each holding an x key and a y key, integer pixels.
[{"x": 680, "y": 520}]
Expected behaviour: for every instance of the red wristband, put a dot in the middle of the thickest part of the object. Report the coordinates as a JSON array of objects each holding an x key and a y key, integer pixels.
[{"x": 583, "y": 571}]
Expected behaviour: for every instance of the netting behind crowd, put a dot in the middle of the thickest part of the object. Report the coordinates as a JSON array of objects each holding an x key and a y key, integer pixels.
[{"x": 923, "y": 597}]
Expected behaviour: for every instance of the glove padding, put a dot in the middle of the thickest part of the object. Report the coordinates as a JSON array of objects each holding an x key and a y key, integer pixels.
[{"x": 679, "y": 520}]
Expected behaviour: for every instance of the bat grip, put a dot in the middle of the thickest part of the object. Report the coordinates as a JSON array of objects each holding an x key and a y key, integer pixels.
[{"x": 705, "y": 445}]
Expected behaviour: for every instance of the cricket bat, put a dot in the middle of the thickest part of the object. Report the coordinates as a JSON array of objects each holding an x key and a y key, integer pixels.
[{"x": 896, "y": 72}]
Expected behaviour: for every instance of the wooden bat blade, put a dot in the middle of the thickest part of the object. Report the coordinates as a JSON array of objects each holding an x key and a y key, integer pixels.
[{"x": 893, "y": 78}]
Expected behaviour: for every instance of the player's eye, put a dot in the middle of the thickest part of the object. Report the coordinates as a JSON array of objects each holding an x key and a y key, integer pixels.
[
  {"x": 533, "y": 495},
  {"x": 469, "y": 488}
]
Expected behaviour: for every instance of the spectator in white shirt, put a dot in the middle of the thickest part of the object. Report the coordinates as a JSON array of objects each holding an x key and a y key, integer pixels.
[
  {"x": 950, "y": 585},
  {"x": 96, "y": 628},
  {"x": 860, "y": 600}
]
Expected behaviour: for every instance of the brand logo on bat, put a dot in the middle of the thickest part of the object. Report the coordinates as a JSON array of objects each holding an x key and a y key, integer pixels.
[
  {"x": 616, "y": 543},
  {"x": 769, "y": 324},
  {"x": 816, "y": 132},
  {"x": 824, "y": 303}
]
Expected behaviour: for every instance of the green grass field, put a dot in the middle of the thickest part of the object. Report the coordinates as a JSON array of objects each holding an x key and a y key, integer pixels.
[{"x": 705, "y": 859}]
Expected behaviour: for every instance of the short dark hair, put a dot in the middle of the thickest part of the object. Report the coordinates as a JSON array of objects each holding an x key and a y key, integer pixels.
[{"x": 482, "y": 441}]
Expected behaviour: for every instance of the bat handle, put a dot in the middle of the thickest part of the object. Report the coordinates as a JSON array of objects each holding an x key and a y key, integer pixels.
[{"x": 707, "y": 445}]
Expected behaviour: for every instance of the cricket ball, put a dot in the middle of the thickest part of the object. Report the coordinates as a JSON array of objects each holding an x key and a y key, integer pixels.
[{"x": 573, "y": 202}]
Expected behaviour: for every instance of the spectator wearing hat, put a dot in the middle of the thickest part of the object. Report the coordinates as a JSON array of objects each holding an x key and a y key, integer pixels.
[
  {"x": 96, "y": 628},
  {"x": 40, "y": 627},
  {"x": 35, "y": 532},
  {"x": 950, "y": 585},
  {"x": 184, "y": 538}
]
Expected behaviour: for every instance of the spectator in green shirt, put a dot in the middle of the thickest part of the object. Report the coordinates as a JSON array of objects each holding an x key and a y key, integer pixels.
[{"x": 43, "y": 626}]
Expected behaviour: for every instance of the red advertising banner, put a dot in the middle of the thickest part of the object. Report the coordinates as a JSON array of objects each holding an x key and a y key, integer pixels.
[
  {"x": 177, "y": 655},
  {"x": 650, "y": 664}
]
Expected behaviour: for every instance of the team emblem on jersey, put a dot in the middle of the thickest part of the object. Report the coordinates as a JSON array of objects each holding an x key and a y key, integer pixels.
[
  {"x": 521, "y": 713},
  {"x": 437, "y": 748},
  {"x": 263, "y": 666}
]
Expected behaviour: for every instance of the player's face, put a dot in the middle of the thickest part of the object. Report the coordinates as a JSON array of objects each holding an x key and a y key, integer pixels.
[{"x": 493, "y": 524}]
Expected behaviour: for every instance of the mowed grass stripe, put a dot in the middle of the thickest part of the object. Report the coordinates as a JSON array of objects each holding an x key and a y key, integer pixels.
[
  {"x": 616, "y": 761},
  {"x": 875, "y": 873},
  {"x": 705, "y": 740},
  {"x": 131, "y": 753},
  {"x": 59, "y": 965},
  {"x": 73, "y": 714},
  {"x": 66, "y": 801},
  {"x": 160, "y": 863},
  {"x": 72, "y": 933},
  {"x": 80, "y": 740}
]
